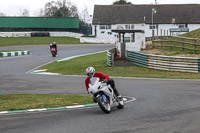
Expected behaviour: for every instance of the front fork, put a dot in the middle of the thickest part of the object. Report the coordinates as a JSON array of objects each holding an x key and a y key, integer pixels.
[{"x": 104, "y": 97}]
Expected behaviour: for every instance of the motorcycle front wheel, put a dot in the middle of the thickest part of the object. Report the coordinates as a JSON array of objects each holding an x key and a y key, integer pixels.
[
  {"x": 121, "y": 104},
  {"x": 104, "y": 103}
]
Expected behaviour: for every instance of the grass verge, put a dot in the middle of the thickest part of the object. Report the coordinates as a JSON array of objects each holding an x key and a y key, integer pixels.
[
  {"x": 167, "y": 52},
  {"x": 18, "y": 41},
  {"x": 193, "y": 34},
  {"x": 177, "y": 47},
  {"x": 78, "y": 65},
  {"x": 31, "y": 101}
]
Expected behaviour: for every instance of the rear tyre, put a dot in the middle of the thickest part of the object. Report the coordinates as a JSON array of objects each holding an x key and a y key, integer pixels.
[
  {"x": 104, "y": 103},
  {"x": 53, "y": 54}
]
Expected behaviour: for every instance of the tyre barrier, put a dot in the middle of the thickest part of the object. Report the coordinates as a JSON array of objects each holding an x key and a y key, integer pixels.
[
  {"x": 109, "y": 58},
  {"x": 14, "y": 53}
]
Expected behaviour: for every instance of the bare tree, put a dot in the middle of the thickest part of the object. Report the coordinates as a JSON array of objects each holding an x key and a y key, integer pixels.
[
  {"x": 24, "y": 12},
  {"x": 50, "y": 9},
  {"x": 59, "y": 9},
  {"x": 2, "y": 14},
  {"x": 84, "y": 15},
  {"x": 40, "y": 13},
  {"x": 73, "y": 9},
  {"x": 121, "y": 2}
]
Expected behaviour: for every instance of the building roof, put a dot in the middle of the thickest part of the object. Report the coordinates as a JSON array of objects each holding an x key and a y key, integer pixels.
[
  {"x": 131, "y": 14},
  {"x": 38, "y": 22}
]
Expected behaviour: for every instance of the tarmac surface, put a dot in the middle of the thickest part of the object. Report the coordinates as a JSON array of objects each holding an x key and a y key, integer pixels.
[{"x": 162, "y": 105}]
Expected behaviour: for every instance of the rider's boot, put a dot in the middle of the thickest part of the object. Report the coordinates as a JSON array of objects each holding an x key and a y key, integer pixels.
[
  {"x": 117, "y": 94},
  {"x": 120, "y": 97}
]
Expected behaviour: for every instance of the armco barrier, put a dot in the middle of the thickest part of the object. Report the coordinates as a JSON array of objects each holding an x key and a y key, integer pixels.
[
  {"x": 184, "y": 64},
  {"x": 199, "y": 64},
  {"x": 137, "y": 58},
  {"x": 15, "y": 53}
]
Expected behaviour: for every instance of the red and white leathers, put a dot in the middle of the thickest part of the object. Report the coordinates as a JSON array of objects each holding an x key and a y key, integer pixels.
[{"x": 100, "y": 75}]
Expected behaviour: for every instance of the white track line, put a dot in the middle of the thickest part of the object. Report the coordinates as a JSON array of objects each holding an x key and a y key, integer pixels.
[{"x": 40, "y": 66}]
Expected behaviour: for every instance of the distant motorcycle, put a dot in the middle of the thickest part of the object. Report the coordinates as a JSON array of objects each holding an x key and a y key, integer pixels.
[
  {"x": 53, "y": 52},
  {"x": 104, "y": 95}
]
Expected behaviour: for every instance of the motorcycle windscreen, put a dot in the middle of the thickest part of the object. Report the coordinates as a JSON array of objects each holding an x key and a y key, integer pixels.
[
  {"x": 94, "y": 84},
  {"x": 93, "y": 80}
]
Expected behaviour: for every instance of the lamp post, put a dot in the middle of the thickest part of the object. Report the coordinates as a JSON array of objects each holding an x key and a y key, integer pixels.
[
  {"x": 173, "y": 21},
  {"x": 152, "y": 19},
  {"x": 153, "y": 12}
]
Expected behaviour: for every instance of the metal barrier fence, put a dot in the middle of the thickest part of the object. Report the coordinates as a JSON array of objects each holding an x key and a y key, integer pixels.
[
  {"x": 137, "y": 58},
  {"x": 184, "y": 64}
]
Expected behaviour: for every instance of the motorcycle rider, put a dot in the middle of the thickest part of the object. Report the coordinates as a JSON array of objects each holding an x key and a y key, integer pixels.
[
  {"x": 53, "y": 45},
  {"x": 90, "y": 71}
]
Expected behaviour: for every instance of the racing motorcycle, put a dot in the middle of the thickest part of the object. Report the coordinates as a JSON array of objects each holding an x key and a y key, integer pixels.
[
  {"x": 53, "y": 52},
  {"x": 104, "y": 95}
]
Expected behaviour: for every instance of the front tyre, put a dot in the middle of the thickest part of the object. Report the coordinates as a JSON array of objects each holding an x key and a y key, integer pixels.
[
  {"x": 121, "y": 104},
  {"x": 104, "y": 103}
]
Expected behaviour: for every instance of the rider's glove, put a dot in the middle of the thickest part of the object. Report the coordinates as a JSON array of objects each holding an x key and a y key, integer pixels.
[{"x": 105, "y": 81}]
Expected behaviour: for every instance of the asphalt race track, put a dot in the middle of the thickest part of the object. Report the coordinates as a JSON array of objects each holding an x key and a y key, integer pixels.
[{"x": 162, "y": 106}]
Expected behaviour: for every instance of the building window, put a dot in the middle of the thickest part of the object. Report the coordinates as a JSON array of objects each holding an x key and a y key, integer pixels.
[
  {"x": 181, "y": 26},
  {"x": 108, "y": 26},
  {"x": 120, "y": 27},
  {"x": 132, "y": 26},
  {"x": 127, "y": 27},
  {"x": 155, "y": 26},
  {"x": 103, "y": 27}
]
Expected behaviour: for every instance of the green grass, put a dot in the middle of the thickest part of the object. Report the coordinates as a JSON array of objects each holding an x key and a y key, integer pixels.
[
  {"x": 78, "y": 65},
  {"x": 176, "y": 51},
  {"x": 30, "y": 101},
  {"x": 172, "y": 52},
  {"x": 18, "y": 41},
  {"x": 193, "y": 34}
]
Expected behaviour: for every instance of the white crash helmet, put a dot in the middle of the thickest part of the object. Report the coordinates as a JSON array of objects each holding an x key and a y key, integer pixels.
[{"x": 90, "y": 70}]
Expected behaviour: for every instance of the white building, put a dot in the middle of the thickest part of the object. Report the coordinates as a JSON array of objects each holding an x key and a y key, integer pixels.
[{"x": 186, "y": 17}]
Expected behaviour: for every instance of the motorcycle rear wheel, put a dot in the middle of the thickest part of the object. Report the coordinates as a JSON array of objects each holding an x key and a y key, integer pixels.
[
  {"x": 104, "y": 105},
  {"x": 53, "y": 55}
]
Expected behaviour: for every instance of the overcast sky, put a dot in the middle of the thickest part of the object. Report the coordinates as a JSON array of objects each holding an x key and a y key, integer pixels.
[{"x": 14, "y": 7}]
